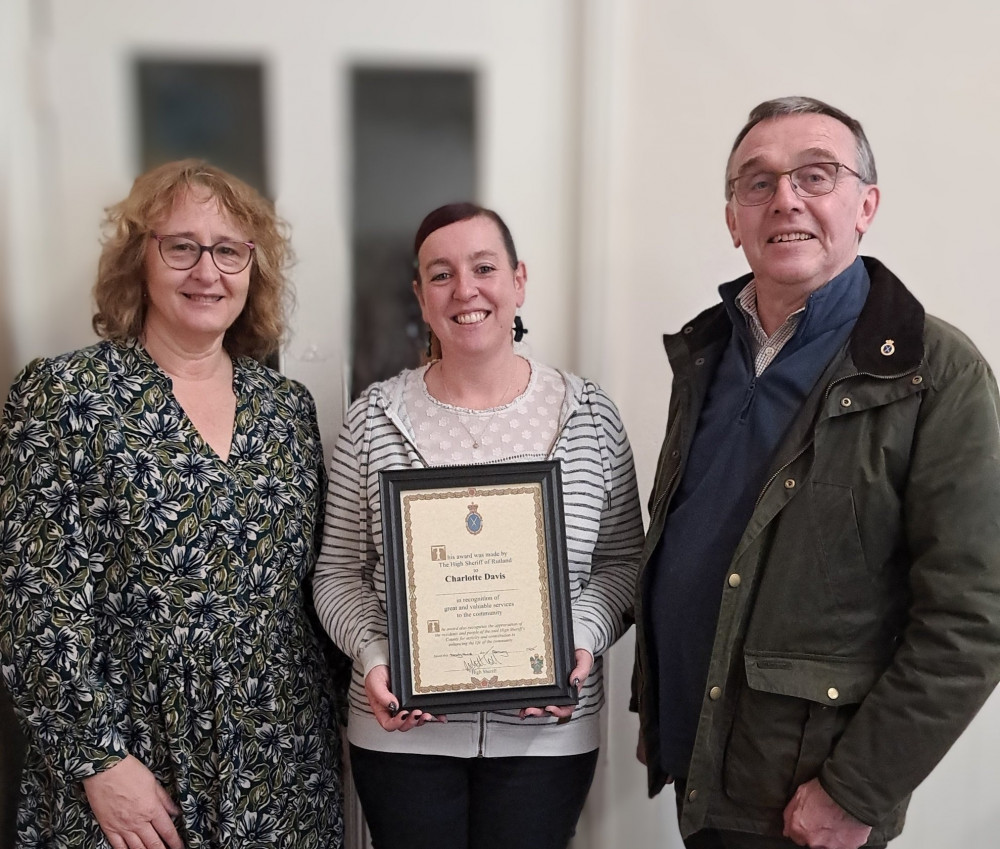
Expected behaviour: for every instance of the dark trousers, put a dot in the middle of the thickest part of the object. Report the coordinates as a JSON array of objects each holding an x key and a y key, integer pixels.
[
  {"x": 713, "y": 838},
  {"x": 434, "y": 802}
]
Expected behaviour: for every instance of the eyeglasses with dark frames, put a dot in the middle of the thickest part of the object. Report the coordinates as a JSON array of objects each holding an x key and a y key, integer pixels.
[
  {"x": 182, "y": 253},
  {"x": 808, "y": 181}
]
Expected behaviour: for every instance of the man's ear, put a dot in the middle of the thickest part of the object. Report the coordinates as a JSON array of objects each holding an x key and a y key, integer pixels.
[{"x": 866, "y": 210}]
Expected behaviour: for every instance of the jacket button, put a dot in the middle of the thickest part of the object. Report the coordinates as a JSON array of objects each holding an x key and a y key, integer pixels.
[
  {"x": 700, "y": 361},
  {"x": 790, "y": 483},
  {"x": 675, "y": 454},
  {"x": 845, "y": 402},
  {"x": 833, "y": 693},
  {"x": 917, "y": 380},
  {"x": 688, "y": 329},
  {"x": 715, "y": 693},
  {"x": 692, "y": 795},
  {"x": 734, "y": 580}
]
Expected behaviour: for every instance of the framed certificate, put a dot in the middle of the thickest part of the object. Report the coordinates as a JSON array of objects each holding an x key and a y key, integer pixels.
[{"x": 477, "y": 587}]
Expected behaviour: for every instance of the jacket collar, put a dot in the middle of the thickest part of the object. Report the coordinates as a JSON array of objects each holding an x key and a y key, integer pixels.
[
  {"x": 889, "y": 335},
  {"x": 887, "y": 339}
]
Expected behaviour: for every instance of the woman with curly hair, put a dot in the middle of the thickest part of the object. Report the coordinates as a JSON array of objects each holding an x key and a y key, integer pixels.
[{"x": 159, "y": 511}]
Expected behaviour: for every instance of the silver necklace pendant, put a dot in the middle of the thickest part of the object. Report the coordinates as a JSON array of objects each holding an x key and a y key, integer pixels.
[
  {"x": 489, "y": 420},
  {"x": 472, "y": 436}
]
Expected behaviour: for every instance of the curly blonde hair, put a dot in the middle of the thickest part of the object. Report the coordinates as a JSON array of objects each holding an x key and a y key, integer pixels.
[{"x": 121, "y": 271}]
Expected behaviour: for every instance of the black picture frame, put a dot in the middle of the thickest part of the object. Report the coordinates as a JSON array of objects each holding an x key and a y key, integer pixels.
[{"x": 403, "y": 584}]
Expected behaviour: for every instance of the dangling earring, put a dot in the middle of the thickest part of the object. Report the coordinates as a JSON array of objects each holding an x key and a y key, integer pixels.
[
  {"x": 433, "y": 351},
  {"x": 519, "y": 329}
]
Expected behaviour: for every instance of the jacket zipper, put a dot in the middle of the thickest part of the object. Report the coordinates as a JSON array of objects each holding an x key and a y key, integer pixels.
[
  {"x": 833, "y": 383},
  {"x": 747, "y": 401},
  {"x": 665, "y": 493},
  {"x": 673, "y": 477}
]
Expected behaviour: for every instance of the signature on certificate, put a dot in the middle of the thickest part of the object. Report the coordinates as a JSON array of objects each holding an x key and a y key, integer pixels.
[{"x": 479, "y": 663}]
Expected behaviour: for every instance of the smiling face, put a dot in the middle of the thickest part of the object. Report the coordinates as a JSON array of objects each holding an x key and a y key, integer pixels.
[
  {"x": 791, "y": 243},
  {"x": 467, "y": 290},
  {"x": 194, "y": 308}
]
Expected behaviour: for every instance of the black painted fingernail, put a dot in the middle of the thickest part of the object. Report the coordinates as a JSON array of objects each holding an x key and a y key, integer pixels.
[
  {"x": 576, "y": 682},
  {"x": 393, "y": 708}
]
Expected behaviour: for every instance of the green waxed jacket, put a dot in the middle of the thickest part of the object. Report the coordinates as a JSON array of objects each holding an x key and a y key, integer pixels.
[{"x": 859, "y": 629}]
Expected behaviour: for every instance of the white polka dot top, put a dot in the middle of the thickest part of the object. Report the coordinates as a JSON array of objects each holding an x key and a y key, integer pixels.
[{"x": 523, "y": 429}]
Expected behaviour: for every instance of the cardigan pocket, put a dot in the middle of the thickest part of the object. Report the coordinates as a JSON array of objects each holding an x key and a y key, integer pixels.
[{"x": 791, "y": 711}]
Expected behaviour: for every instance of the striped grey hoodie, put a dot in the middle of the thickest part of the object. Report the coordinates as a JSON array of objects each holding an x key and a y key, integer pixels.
[{"x": 604, "y": 540}]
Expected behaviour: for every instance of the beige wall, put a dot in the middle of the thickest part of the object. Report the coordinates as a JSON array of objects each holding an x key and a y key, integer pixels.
[
  {"x": 923, "y": 81},
  {"x": 6, "y": 353},
  {"x": 664, "y": 85},
  {"x": 7, "y": 64}
]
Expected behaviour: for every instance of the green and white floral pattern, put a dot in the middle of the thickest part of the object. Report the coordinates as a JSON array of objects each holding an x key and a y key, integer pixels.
[{"x": 152, "y": 602}]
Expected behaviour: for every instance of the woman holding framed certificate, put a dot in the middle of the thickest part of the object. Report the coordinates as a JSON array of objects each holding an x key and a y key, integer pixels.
[{"x": 476, "y": 778}]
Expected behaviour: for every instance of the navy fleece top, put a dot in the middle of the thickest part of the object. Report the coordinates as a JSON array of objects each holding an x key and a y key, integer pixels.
[{"x": 739, "y": 430}]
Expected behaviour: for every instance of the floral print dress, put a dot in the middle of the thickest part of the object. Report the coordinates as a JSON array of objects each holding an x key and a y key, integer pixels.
[{"x": 151, "y": 602}]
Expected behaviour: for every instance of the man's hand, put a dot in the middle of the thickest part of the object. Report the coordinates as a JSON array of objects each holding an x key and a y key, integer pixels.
[
  {"x": 640, "y": 755},
  {"x": 640, "y": 749},
  {"x": 132, "y": 808},
  {"x": 813, "y": 819}
]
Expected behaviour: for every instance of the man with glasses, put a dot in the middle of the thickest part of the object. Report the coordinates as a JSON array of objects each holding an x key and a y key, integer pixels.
[{"x": 819, "y": 603}]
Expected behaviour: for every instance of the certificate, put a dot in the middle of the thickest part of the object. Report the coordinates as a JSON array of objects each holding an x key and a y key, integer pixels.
[{"x": 477, "y": 587}]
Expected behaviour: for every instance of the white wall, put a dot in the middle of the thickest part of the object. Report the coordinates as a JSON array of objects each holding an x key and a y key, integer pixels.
[
  {"x": 923, "y": 80},
  {"x": 664, "y": 86},
  {"x": 8, "y": 30},
  {"x": 18, "y": 192},
  {"x": 74, "y": 150}
]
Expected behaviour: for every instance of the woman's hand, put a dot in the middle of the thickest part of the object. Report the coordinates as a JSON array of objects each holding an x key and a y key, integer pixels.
[
  {"x": 385, "y": 705},
  {"x": 132, "y": 808},
  {"x": 584, "y": 663}
]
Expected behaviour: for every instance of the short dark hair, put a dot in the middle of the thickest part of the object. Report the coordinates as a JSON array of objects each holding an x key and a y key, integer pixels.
[
  {"x": 452, "y": 213},
  {"x": 782, "y": 106}
]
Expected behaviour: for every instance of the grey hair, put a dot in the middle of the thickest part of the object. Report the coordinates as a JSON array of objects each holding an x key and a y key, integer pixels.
[{"x": 782, "y": 106}]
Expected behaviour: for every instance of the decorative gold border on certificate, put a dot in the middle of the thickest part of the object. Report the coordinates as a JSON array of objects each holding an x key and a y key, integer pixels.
[
  {"x": 491, "y": 629},
  {"x": 533, "y": 489}
]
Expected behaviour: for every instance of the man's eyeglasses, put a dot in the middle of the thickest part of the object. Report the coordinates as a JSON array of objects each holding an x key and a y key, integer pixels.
[
  {"x": 808, "y": 181},
  {"x": 181, "y": 253}
]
